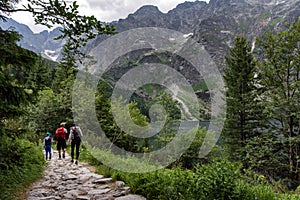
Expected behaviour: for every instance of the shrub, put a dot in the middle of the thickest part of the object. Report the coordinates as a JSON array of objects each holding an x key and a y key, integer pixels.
[
  {"x": 217, "y": 180},
  {"x": 213, "y": 181},
  {"x": 21, "y": 163}
]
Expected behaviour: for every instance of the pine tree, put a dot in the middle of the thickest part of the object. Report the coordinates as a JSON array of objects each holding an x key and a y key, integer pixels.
[
  {"x": 241, "y": 99},
  {"x": 16, "y": 67}
]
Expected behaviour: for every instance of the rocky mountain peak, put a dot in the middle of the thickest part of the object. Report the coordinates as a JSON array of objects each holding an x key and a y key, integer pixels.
[
  {"x": 187, "y": 5},
  {"x": 147, "y": 9}
]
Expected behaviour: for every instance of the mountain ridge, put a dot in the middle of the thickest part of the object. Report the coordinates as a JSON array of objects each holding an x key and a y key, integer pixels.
[{"x": 213, "y": 24}]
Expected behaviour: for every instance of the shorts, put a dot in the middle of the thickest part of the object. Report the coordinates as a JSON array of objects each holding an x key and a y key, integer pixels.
[{"x": 61, "y": 144}]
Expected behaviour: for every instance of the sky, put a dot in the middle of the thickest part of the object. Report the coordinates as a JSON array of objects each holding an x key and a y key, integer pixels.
[{"x": 104, "y": 10}]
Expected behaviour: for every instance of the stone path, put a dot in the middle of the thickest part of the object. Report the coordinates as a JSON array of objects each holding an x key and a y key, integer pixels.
[{"x": 65, "y": 180}]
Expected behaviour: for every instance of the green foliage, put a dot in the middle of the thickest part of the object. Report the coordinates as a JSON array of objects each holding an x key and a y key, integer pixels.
[
  {"x": 123, "y": 113},
  {"x": 217, "y": 180},
  {"x": 49, "y": 111},
  {"x": 18, "y": 152},
  {"x": 65, "y": 71},
  {"x": 243, "y": 114},
  {"x": 125, "y": 139},
  {"x": 213, "y": 181},
  {"x": 22, "y": 75},
  {"x": 16, "y": 67},
  {"x": 280, "y": 81},
  {"x": 264, "y": 155},
  {"x": 190, "y": 158},
  {"x": 18, "y": 128},
  {"x": 128, "y": 162},
  {"x": 171, "y": 107},
  {"x": 21, "y": 163},
  {"x": 246, "y": 191}
]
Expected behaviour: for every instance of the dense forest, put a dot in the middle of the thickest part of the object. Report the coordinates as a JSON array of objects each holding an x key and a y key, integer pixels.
[{"x": 256, "y": 157}]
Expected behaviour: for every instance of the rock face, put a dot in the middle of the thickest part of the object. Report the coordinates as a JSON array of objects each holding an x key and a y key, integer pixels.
[
  {"x": 41, "y": 43},
  {"x": 65, "y": 180},
  {"x": 214, "y": 24}
]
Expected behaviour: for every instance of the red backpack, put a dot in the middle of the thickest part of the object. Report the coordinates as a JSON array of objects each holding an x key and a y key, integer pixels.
[{"x": 60, "y": 133}]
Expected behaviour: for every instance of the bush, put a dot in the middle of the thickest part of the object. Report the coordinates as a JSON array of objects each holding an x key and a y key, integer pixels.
[
  {"x": 246, "y": 191},
  {"x": 213, "y": 181},
  {"x": 21, "y": 163},
  {"x": 217, "y": 180}
]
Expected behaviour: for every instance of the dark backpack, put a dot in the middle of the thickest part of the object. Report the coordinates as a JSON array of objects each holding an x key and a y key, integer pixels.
[{"x": 76, "y": 136}]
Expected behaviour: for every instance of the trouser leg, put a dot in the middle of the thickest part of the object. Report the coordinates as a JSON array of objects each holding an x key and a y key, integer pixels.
[
  {"x": 77, "y": 150},
  {"x": 64, "y": 146},
  {"x": 46, "y": 153},
  {"x": 72, "y": 149},
  {"x": 59, "y": 147}
]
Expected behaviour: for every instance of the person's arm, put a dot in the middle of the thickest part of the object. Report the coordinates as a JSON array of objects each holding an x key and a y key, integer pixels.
[
  {"x": 70, "y": 135},
  {"x": 80, "y": 133},
  {"x": 55, "y": 135}
]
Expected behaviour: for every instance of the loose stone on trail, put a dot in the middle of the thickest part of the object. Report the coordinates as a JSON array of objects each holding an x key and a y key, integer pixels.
[{"x": 65, "y": 180}]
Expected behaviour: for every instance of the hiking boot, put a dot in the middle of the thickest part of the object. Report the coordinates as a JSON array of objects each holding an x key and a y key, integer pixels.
[
  {"x": 63, "y": 154},
  {"x": 76, "y": 162},
  {"x": 72, "y": 161}
]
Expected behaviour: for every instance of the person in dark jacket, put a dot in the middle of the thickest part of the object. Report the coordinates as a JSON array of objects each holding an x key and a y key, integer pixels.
[
  {"x": 75, "y": 138},
  {"x": 47, "y": 145}
]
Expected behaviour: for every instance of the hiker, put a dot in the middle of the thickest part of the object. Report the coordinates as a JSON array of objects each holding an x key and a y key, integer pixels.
[
  {"x": 47, "y": 142},
  {"x": 75, "y": 138},
  {"x": 60, "y": 135}
]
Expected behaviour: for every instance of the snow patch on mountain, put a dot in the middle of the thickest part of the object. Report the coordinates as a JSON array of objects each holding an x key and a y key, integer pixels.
[{"x": 53, "y": 55}]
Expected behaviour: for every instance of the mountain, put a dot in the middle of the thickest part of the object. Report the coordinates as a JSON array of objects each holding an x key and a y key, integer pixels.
[
  {"x": 214, "y": 24},
  {"x": 41, "y": 43}
]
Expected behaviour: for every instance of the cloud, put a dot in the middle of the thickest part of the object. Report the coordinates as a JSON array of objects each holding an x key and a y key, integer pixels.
[{"x": 105, "y": 10}]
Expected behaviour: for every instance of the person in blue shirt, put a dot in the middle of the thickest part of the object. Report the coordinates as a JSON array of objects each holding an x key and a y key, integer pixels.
[{"x": 47, "y": 145}]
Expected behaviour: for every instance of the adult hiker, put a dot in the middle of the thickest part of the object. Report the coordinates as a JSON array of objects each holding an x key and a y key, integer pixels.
[
  {"x": 47, "y": 142},
  {"x": 61, "y": 134},
  {"x": 75, "y": 138}
]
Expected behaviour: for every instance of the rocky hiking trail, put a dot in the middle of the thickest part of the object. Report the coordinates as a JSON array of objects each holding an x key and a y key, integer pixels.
[{"x": 63, "y": 180}]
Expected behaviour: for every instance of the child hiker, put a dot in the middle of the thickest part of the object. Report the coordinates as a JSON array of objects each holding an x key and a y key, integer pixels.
[{"x": 47, "y": 145}]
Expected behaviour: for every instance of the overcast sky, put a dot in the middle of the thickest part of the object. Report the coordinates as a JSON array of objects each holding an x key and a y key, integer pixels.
[{"x": 106, "y": 10}]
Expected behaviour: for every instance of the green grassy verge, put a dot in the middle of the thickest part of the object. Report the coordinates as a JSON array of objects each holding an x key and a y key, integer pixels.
[
  {"x": 218, "y": 180},
  {"x": 21, "y": 164}
]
